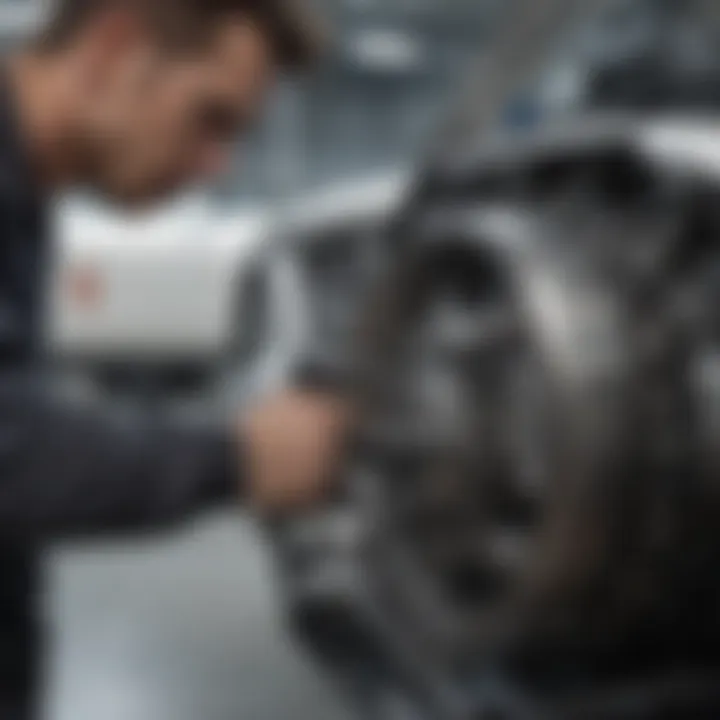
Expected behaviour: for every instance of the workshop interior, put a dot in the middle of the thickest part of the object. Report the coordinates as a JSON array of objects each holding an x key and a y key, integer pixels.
[{"x": 493, "y": 223}]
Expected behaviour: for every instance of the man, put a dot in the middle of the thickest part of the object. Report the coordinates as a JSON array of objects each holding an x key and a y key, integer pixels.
[{"x": 134, "y": 99}]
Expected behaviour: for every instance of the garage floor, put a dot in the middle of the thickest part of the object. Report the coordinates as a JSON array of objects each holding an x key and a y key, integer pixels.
[{"x": 181, "y": 628}]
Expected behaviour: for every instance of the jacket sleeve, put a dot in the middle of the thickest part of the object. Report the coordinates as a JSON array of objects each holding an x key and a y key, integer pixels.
[{"x": 67, "y": 470}]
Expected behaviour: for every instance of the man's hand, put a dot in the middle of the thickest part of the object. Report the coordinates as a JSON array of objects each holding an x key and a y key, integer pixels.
[{"x": 292, "y": 445}]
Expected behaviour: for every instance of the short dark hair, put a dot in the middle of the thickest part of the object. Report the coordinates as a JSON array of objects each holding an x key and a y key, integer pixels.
[{"x": 294, "y": 33}]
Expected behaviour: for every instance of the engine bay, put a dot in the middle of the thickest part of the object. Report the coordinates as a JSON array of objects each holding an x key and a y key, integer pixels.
[
  {"x": 527, "y": 522},
  {"x": 526, "y": 526}
]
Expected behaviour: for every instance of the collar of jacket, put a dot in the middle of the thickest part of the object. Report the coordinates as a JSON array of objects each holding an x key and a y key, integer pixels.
[{"x": 17, "y": 181}]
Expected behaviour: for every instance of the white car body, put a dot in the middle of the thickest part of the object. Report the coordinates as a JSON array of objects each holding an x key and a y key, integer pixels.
[
  {"x": 165, "y": 288},
  {"x": 150, "y": 289}
]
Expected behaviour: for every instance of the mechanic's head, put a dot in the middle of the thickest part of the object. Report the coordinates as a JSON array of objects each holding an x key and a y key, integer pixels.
[{"x": 161, "y": 88}]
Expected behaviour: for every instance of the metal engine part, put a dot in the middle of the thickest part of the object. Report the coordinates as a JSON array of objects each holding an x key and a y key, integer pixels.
[{"x": 529, "y": 522}]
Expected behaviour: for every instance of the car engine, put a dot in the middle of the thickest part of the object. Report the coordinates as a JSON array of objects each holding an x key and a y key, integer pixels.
[
  {"x": 526, "y": 526},
  {"x": 528, "y": 523}
]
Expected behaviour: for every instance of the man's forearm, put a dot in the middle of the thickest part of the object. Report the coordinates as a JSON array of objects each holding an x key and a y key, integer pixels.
[{"x": 67, "y": 471}]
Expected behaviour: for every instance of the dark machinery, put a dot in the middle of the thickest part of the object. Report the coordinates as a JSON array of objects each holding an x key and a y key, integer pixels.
[
  {"x": 529, "y": 523},
  {"x": 530, "y": 519}
]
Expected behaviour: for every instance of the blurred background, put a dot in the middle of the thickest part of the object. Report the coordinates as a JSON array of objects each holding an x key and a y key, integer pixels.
[{"x": 218, "y": 297}]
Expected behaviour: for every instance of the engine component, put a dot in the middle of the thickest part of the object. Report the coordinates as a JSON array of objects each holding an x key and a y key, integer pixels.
[{"x": 529, "y": 527}]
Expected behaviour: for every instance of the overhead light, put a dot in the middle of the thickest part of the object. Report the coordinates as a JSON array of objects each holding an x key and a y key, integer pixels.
[{"x": 386, "y": 50}]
